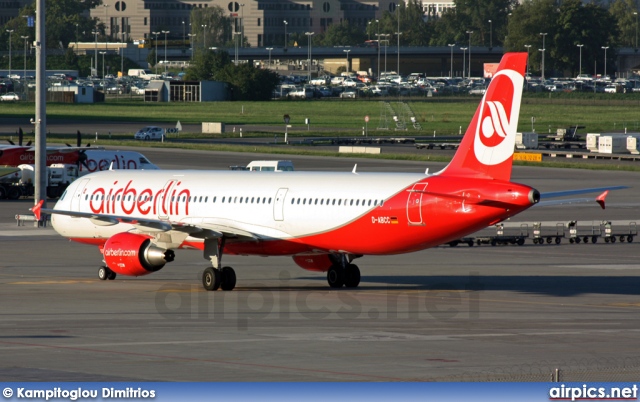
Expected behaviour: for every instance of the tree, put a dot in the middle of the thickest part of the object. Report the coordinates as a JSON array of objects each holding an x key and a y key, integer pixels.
[
  {"x": 526, "y": 23},
  {"x": 248, "y": 82},
  {"x": 626, "y": 14},
  {"x": 151, "y": 57},
  {"x": 245, "y": 81},
  {"x": 207, "y": 65},
  {"x": 474, "y": 15},
  {"x": 587, "y": 24},
  {"x": 343, "y": 34},
  {"x": 211, "y": 27},
  {"x": 570, "y": 24},
  {"x": 415, "y": 31},
  {"x": 61, "y": 17}
]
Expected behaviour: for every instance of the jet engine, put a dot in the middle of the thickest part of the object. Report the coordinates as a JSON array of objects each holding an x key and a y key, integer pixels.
[{"x": 134, "y": 255}]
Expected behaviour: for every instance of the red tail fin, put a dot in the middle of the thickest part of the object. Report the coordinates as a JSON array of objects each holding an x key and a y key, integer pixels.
[{"x": 487, "y": 147}]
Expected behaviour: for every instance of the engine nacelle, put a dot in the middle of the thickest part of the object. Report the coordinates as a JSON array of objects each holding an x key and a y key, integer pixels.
[
  {"x": 315, "y": 262},
  {"x": 134, "y": 255}
]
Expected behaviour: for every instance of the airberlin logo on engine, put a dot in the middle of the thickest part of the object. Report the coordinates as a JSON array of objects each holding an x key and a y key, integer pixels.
[
  {"x": 496, "y": 126},
  {"x": 169, "y": 200},
  {"x": 110, "y": 252}
]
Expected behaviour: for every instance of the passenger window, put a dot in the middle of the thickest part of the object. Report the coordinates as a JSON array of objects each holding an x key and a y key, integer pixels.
[
  {"x": 293, "y": 201},
  {"x": 304, "y": 201},
  {"x": 269, "y": 200},
  {"x": 339, "y": 202},
  {"x": 333, "y": 202},
  {"x": 252, "y": 199}
]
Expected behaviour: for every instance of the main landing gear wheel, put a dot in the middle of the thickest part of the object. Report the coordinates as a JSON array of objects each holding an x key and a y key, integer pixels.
[
  {"x": 227, "y": 278},
  {"x": 104, "y": 273},
  {"x": 211, "y": 278},
  {"x": 335, "y": 276},
  {"x": 352, "y": 277}
]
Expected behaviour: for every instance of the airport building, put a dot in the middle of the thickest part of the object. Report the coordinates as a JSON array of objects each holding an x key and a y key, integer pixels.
[{"x": 261, "y": 20}]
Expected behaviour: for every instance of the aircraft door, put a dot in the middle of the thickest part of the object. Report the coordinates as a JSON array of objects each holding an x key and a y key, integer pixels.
[
  {"x": 278, "y": 205},
  {"x": 414, "y": 204},
  {"x": 76, "y": 197}
]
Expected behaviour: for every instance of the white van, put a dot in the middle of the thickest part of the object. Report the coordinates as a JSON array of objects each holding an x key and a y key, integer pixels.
[{"x": 270, "y": 166}]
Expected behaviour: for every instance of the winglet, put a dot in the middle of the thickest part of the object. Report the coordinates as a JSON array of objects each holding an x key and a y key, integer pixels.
[
  {"x": 601, "y": 198},
  {"x": 36, "y": 209}
]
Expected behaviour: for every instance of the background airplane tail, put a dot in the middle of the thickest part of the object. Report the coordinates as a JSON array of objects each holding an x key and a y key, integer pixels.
[{"x": 487, "y": 147}]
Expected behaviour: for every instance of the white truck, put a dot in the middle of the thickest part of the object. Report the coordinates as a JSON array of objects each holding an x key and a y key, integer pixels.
[
  {"x": 143, "y": 73},
  {"x": 266, "y": 166}
]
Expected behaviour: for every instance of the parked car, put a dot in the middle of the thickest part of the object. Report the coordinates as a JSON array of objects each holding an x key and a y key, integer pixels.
[
  {"x": 349, "y": 94},
  {"x": 9, "y": 96},
  {"x": 149, "y": 133}
]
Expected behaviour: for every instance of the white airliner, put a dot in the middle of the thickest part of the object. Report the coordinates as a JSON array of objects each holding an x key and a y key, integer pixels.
[{"x": 324, "y": 220}]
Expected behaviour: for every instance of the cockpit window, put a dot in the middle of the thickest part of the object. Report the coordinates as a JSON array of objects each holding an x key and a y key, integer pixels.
[
  {"x": 63, "y": 194},
  {"x": 144, "y": 160}
]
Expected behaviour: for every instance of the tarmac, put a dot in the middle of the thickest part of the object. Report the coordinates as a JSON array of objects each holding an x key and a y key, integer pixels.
[{"x": 505, "y": 313}]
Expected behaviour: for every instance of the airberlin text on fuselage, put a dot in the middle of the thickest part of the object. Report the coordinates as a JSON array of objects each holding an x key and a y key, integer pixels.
[
  {"x": 128, "y": 199},
  {"x": 119, "y": 163}
]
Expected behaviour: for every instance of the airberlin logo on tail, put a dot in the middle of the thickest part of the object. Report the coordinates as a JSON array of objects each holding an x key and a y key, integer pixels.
[{"x": 498, "y": 118}]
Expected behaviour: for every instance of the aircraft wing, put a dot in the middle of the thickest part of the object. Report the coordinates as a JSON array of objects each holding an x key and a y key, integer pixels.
[
  {"x": 147, "y": 225},
  {"x": 545, "y": 200}
]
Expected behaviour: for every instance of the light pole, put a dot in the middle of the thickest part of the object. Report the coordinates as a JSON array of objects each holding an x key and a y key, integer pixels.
[
  {"x": 76, "y": 48},
  {"x": 235, "y": 37},
  {"x": 10, "y": 33},
  {"x": 165, "y": 52},
  {"x": 605, "y": 61},
  {"x": 309, "y": 42},
  {"x": 451, "y": 70},
  {"x": 285, "y": 34},
  {"x": 24, "y": 73},
  {"x": 469, "y": 32},
  {"x": 386, "y": 43},
  {"x": 543, "y": 50},
  {"x": 184, "y": 41},
  {"x": 122, "y": 55},
  {"x": 241, "y": 25},
  {"x": 347, "y": 52},
  {"x": 106, "y": 19},
  {"x": 378, "y": 36},
  {"x": 95, "y": 33},
  {"x": 191, "y": 36},
  {"x": 580, "y": 68},
  {"x": 528, "y": 47},
  {"x": 104, "y": 89},
  {"x": 542, "y": 65},
  {"x": 464, "y": 63},
  {"x": 204, "y": 36},
  {"x": 156, "y": 34},
  {"x": 269, "y": 49},
  {"x": 369, "y": 30},
  {"x": 490, "y": 34},
  {"x": 398, "y": 33},
  {"x": 636, "y": 14}
]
